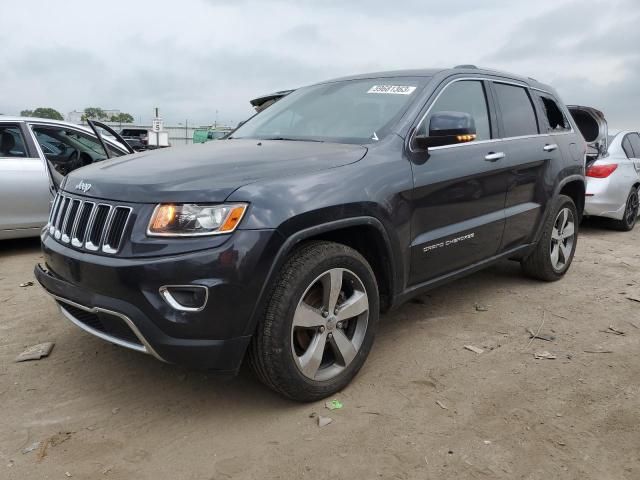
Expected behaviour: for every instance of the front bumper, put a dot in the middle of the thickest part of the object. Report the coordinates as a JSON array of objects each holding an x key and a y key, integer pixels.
[{"x": 118, "y": 299}]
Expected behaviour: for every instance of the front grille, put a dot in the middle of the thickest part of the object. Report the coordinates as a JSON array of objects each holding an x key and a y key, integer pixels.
[
  {"x": 110, "y": 325},
  {"x": 88, "y": 225}
]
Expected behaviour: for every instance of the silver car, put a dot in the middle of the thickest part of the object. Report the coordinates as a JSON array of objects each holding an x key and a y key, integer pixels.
[
  {"x": 35, "y": 155},
  {"x": 613, "y": 181}
]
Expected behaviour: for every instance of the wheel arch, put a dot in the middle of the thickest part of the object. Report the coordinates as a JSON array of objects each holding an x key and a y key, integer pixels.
[
  {"x": 364, "y": 234},
  {"x": 574, "y": 187}
]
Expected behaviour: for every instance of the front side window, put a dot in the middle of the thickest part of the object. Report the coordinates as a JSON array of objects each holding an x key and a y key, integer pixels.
[
  {"x": 555, "y": 118},
  {"x": 465, "y": 96},
  {"x": 350, "y": 111},
  {"x": 518, "y": 115},
  {"x": 11, "y": 142},
  {"x": 68, "y": 149},
  {"x": 626, "y": 146}
]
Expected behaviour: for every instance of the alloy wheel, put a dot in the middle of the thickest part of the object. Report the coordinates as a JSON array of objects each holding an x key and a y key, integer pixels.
[
  {"x": 631, "y": 212},
  {"x": 329, "y": 324},
  {"x": 562, "y": 239}
]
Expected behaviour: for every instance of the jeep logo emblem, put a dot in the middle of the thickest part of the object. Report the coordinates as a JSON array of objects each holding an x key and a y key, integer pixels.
[{"x": 83, "y": 186}]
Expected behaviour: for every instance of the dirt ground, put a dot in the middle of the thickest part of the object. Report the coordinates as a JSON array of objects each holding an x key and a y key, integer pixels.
[{"x": 423, "y": 407}]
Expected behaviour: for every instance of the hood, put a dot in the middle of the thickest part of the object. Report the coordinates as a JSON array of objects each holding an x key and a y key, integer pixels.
[
  {"x": 207, "y": 172},
  {"x": 593, "y": 126}
]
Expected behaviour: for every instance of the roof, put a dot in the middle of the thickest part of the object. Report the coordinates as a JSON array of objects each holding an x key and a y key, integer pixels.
[{"x": 430, "y": 72}]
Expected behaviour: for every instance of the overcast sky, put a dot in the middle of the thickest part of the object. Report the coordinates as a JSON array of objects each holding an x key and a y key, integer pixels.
[{"x": 193, "y": 57}]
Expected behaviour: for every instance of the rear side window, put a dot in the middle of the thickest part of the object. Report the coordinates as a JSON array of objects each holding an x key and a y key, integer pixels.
[
  {"x": 635, "y": 144},
  {"x": 465, "y": 96},
  {"x": 518, "y": 116},
  {"x": 626, "y": 146},
  {"x": 554, "y": 116},
  {"x": 12, "y": 142}
]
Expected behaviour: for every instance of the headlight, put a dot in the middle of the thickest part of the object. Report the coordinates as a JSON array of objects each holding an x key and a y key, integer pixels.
[{"x": 191, "y": 220}]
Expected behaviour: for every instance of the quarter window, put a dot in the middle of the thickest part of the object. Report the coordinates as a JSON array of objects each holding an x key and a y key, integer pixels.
[
  {"x": 626, "y": 146},
  {"x": 518, "y": 115},
  {"x": 556, "y": 120},
  {"x": 467, "y": 97},
  {"x": 12, "y": 142}
]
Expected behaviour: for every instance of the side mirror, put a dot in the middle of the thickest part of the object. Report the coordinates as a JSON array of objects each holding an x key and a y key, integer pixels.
[{"x": 447, "y": 128}]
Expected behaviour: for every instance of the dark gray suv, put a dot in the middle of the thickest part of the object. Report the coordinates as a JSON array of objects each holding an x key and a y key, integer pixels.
[{"x": 284, "y": 242}]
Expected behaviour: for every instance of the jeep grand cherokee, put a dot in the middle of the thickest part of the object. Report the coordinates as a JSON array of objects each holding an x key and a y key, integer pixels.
[{"x": 344, "y": 199}]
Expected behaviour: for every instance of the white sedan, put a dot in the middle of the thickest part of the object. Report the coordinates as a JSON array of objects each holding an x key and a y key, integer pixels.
[
  {"x": 613, "y": 181},
  {"x": 35, "y": 154}
]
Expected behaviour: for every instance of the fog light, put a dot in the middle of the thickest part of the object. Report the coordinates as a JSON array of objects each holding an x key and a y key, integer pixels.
[{"x": 186, "y": 298}]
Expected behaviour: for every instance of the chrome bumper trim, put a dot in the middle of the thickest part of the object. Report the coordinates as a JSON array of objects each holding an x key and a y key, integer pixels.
[{"x": 144, "y": 348}]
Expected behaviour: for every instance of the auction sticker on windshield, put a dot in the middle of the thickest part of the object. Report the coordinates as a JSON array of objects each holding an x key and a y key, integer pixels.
[{"x": 392, "y": 89}]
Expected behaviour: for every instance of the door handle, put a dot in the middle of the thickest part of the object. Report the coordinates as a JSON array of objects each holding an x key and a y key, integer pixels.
[
  {"x": 494, "y": 156},
  {"x": 550, "y": 147}
]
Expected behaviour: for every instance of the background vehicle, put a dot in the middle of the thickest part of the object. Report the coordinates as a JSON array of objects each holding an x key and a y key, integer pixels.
[
  {"x": 202, "y": 135},
  {"x": 613, "y": 181},
  {"x": 28, "y": 146},
  {"x": 137, "y": 138},
  {"x": 342, "y": 199}
]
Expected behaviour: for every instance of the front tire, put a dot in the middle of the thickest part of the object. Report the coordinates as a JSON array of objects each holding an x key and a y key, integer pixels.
[
  {"x": 319, "y": 324},
  {"x": 630, "y": 213},
  {"x": 554, "y": 252}
]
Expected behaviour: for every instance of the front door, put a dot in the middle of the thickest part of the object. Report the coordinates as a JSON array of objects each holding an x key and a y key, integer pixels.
[
  {"x": 459, "y": 190},
  {"x": 24, "y": 186}
]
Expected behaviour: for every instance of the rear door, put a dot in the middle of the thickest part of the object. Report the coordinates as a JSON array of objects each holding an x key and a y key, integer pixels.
[
  {"x": 459, "y": 190},
  {"x": 24, "y": 186},
  {"x": 529, "y": 153}
]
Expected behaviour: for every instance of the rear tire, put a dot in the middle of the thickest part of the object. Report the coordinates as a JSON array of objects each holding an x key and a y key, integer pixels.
[
  {"x": 308, "y": 345},
  {"x": 554, "y": 252},
  {"x": 630, "y": 215}
]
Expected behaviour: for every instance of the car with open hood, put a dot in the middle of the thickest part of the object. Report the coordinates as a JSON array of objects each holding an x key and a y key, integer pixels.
[{"x": 282, "y": 244}]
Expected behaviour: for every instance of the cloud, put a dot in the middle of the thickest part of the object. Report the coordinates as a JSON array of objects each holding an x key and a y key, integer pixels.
[{"x": 205, "y": 56}]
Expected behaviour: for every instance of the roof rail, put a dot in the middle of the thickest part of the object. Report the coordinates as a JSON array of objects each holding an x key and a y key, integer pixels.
[{"x": 466, "y": 66}]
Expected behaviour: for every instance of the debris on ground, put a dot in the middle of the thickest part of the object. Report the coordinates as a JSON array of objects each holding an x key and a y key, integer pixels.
[
  {"x": 598, "y": 351},
  {"x": 324, "y": 421},
  {"x": 541, "y": 336},
  {"x": 334, "y": 405},
  {"x": 441, "y": 405},
  {"x": 313, "y": 415},
  {"x": 634, "y": 299},
  {"x": 544, "y": 355},
  {"x": 107, "y": 470},
  {"x": 31, "y": 448},
  {"x": 473, "y": 349},
  {"x": 30, "y": 284},
  {"x": 613, "y": 330},
  {"x": 115, "y": 411},
  {"x": 36, "y": 352},
  {"x": 481, "y": 308},
  {"x": 633, "y": 324},
  {"x": 487, "y": 442},
  {"x": 68, "y": 474}
]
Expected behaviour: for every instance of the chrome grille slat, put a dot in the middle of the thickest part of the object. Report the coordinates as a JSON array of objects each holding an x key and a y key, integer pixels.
[
  {"x": 70, "y": 220},
  {"x": 88, "y": 225},
  {"x": 61, "y": 217}
]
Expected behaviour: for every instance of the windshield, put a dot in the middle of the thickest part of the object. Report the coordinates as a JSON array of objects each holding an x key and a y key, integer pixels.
[{"x": 351, "y": 111}]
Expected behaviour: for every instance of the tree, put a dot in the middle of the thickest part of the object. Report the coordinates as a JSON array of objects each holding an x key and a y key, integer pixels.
[
  {"x": 122, "y": 118},
  {"x": 94, "y": 113},
  {"x": 43, "y": 112}
]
